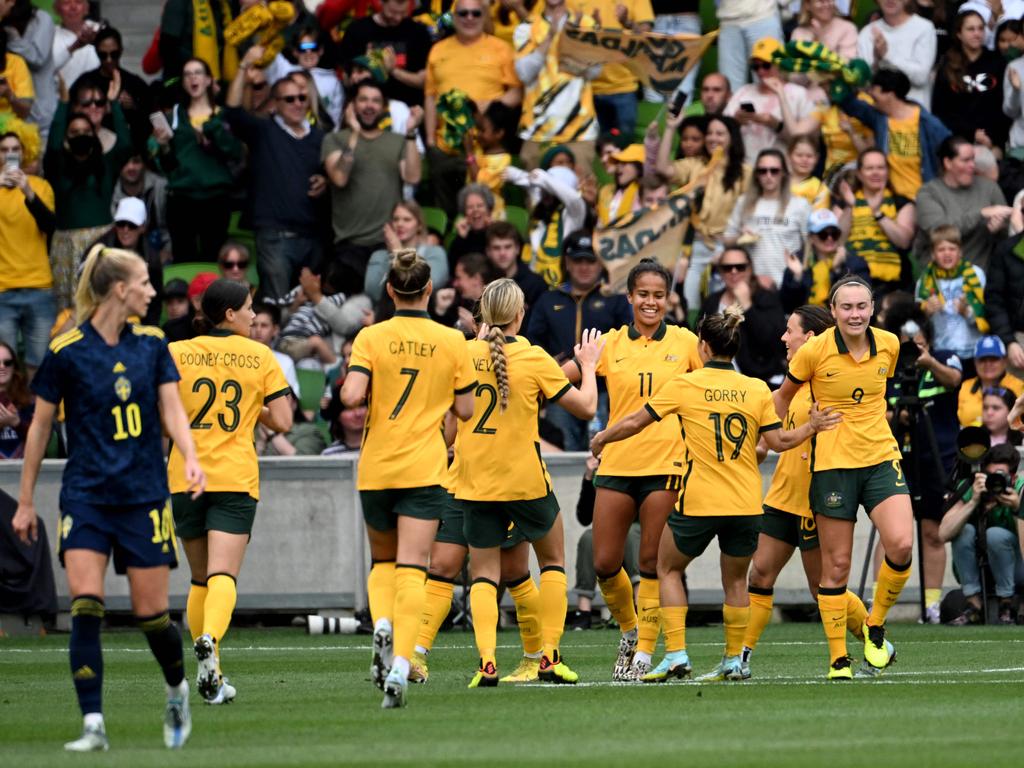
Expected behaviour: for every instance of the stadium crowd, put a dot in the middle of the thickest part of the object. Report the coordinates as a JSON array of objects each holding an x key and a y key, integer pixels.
[{"x": 299, "y": 150}]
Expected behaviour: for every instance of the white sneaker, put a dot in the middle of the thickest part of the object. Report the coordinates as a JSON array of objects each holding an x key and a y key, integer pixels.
[
  {"x": 932, "y": 614},
  {"x": 177, "y": 717},
  {"x": 225, "y": 695},
  {"x": 93, "y": 739},
  {"x": 208, "y": 676},
  {"x": 383, "y": 656},
  {"x": 394, "y": 690}
]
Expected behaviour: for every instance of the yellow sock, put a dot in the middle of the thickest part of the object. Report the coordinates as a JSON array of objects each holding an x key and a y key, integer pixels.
[
  {"x": 618, "y": 596},
  {"x": 380, "y": 587},
  {"x": 436, "y": 606},
  {"x": 194, "y": 608},
  {"x": 891, "y": 578},
  {"x": 410, "y": 592},
  {"x": 553, "y": 602},
  {"x": 483, "y": 602},
  {"x": 648, "y": 602},
  {"x": 527, "y": 599},
  {"x": 761, "y": 602},
  {"x": 856, "y": 613},
  {"x": 933, "y": 596},
  {"x": 832, "y": 607},
  {"x": 735, "y": 620},
  {"x": 674, "y": 619},
  {"x": 219, "y": 605}
]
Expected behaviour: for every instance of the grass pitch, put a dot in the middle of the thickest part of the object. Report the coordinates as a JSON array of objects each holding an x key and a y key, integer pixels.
[{"x": 956, "y": 697}]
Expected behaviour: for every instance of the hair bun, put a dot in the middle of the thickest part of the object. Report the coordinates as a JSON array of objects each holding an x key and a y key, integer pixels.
[
  {"x": 733, "y": 316},
  {"x": 405, "y": 257}
]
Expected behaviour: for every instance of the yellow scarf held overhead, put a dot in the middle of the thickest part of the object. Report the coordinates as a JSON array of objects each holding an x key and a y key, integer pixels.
[{"x": 224, "y": 64}]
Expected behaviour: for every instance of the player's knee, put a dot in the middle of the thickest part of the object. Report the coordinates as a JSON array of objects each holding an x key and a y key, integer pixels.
[
  {"x": 759, "y": 578},
  {"x": 606, "y": 565},
  {"x": 648, "y": 563},
  {"x": 901, "y": 549}
]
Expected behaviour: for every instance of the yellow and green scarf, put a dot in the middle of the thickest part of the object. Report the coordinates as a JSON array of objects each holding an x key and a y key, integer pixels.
[
  {"x": 808, "y": 56},
  {"x": 974, "y": 293},
  {"x": 454, "y": 121},
  {"x": 223, "y": 64}
]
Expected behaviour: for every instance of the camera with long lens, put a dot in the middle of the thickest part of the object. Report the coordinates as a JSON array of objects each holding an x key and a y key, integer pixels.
[{"x": 907, "y": 372}]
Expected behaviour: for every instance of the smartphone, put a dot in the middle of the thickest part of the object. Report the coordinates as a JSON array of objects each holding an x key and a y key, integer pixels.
[
  {"x": 159, "y": 122},
  {"x": 747, "y": 106},
  {"x": 11, "y": 162},
  {"x": 677, "y": 103}
]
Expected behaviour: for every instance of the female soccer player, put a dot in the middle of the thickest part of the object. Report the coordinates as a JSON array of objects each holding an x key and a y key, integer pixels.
[
  {"x": 642, "y": 476},
  {"x": 414, "y": 370},
  {"x": 498, "y": 483},
  {"x": 118, "y": 385},
  {"x": 228, "y": 383},
  {"x": 787, "y": 522},
  {"x": 722, "y": 412},
  {"x": 856, "y": 464}
]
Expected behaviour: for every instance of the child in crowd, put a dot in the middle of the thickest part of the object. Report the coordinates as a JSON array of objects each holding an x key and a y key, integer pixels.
[
  {"x": 803, "y": 156},
  {"x": 490, "y": 157}
]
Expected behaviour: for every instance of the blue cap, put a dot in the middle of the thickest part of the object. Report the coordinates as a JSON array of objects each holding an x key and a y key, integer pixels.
[{"x": 989, "y": 346}]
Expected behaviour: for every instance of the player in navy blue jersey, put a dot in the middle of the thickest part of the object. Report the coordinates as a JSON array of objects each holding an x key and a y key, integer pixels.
[{"x": 117, "y": 382}]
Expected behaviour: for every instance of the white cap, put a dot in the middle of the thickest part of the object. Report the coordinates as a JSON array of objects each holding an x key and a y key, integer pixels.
[
  {"x": 131, "y": 209},
  {"x": 563, "y": 175}
]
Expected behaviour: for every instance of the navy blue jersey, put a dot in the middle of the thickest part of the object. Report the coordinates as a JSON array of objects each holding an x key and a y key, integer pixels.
[{"x": 111, "y": 397}]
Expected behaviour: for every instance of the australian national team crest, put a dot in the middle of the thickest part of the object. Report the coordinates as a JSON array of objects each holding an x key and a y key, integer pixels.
[{"x": 834, "y": 500}]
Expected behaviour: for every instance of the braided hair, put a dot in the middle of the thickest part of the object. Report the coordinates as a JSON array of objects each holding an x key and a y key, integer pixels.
[{"x": 500, "y": 304}]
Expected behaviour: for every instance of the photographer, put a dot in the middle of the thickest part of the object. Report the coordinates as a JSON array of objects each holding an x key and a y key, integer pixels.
[{"x": 989, "y": 507}]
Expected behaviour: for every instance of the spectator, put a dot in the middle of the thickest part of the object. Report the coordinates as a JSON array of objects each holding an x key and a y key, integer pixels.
[
  {"x": 477, "y": 64},
  {"x": 762, "y": 353},
  {"x": 973, "y": 204},
  {"x": 742, "y": 24},
  {"x": 558, "y": 107},
  {"x": 904, "y": 42},
  {"x": 90, "y": 97},
  {"x": 996, "y": 403},
  {"x": 1013, "y": 107},
  {"x": 26, "y": 221},
  {"x": 136, "y": 180},
  {"x": 266, "y": 325},
  {"x": 30, "y": 34},
  {"x": 182, "y": 327},
  {"x": 622, "y": 196},
  {"x": 803, "y": 155},
  {"x": 286, "y": 181},
  {"x": 183, "y": 37},
  {"x": 15, "y": 404},
  {"x": 397, "y": 112},
  {"x": 951, "y": 292},
  {"x": 366, "y": 167},
  {"x": 770, "y": 218},
  {"x": 233, "y": 261},
  {"x": 73, "y": 52},
  {"x": 843, "y": 136},
  {"x": 256, "y": 99},
  {"x": 504, "y": 250},
  {"x": 346, "y": 425},
  {"x": 715, "y": 93},
  {"x": 176, "y": 299},
  {"x": 691, "y": 140},
  {"x": 129, "y": 233},
  {"x": 1004, "y": 298},
  {"x": 458, "y": 305},
  {"x": 135, "y": 97},
  {"x": 878, "y": 224},
  {"x": 303, "y": 439},
  {"x": 407, "y": 229},
  {"x": 16, "y": 91},
  {"x": 83, "y": 178},
  {"x": 968, "y": 91},
  {"x": 829, "y": 261},
  {"x": 476, "y": 206},
  {"x": 990, "y": 365},
  {"x": 994, "y": 515},
  {"x": 489, "y": 158},
  {"x": 820, "y": 22},
  {"x": 404, "y": 43}
]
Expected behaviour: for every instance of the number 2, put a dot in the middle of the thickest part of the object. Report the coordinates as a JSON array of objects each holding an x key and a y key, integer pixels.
[
  {"x": 735, "y": 430},
  {"x": 412, "y": 373}
]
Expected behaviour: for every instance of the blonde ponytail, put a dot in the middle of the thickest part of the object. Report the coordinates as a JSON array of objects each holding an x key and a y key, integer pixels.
[
  {"x": 101, "y": 269},
  {"x": 499, "y": 363},
  {"x": 500, "y": 304}
]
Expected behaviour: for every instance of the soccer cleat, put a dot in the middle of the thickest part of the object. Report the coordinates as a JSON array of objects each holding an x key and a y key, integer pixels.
[
  {"x": 556, "y": 671},
  {"x": 225, "y": 694},
  {"x": 932, "y": 614},
  {"x": 841, "y": 669},
  {"x": 485, "y": 677},
  {"x": 637, "y": 670},
  {"x": 93, "y": 739},
  {"x": 745, "y": 656},
  {"x": 177, "y": 718},
  {"x": 867, "y": 670},
  {"x": 876, "y": 652},
  {"x": 418, "y": 670},
  {"x": 383, "y": 656},
  {"x": 394, "y": 690},
  {"x": 730, "y": 669},
  {"x": 208, "y": 676},
  {"x": 674, "y": 665},
  {"x": 526, "y": 672},
  {"x": 627, "y": 647}
]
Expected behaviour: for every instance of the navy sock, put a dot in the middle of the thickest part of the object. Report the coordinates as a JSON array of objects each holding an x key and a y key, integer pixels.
[
  {"x": 85, "y": 652},
  {"x": 165, "y": 643}
]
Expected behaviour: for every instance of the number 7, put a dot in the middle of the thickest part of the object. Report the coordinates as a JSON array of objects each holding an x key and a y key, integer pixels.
[{"x": 412, "y": 373}]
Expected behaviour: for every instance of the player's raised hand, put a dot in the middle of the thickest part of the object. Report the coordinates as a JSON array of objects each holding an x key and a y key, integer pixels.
[{"x": 589, "y": 348}]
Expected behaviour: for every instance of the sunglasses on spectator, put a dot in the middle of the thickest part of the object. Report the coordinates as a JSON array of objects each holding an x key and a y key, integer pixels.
[
  {"x": 6, "y": 362},
  {"x": 828, "y": 233},
  {"x": 723, "y": 268},
  {"x": 235, "y": 264},
  {"x": 757, "y": 65},
  {"x": 112, "y": 55},
  {"x": 291, "y": 98},
  {"x": 99, "y": 101},
  {"x": 309, "y": 45},
  {"x": 471, "y": 13},
  {"x": 770, "y": 171},
  {"x": 126, "y": 225}
]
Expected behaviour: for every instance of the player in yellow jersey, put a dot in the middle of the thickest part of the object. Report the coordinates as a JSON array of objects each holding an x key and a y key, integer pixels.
[
  {"x": 722, "y": 413},
  {"x": 641, "y": 476},
  {"x": 411, "y": 371},
  {"x": 228, "y": 383},
  {"x": 788, "y": 522},
  {"x": 858, "y": 463},
  {"x": 502, "y": 478}
]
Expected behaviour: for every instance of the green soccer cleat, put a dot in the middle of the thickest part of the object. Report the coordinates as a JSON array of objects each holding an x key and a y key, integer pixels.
[
  {"x": 868, "y": 670},
  {"x": 627, "y": 648},
  {"x": 876, "y": 650},
  {"x": 418, "y": 670},
  {"x": 729, "y": 670},
  {"x": 177, "y": 717},
  {"x": 526, "y": 672},
  {"x": 556, "y": 671},
  {"x": 841, "y": 669},
  {"x": 675, "y": 665},
  {"x": 485, "y": 677},
  {"x": 395, "y": 686}
]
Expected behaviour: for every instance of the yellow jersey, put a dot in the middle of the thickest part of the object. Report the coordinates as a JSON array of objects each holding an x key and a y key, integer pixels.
[
  {"x": 854, "y": 389},
  {"x": 498, "y": 452},
  {"x": 226, "y": 379},
  {"x": 968, "y": 405},
  {"x": 634, "y": 368},
  {"x": 722, "y": 413},
  {"x": 416, "y": 367},
  {"x": 905, "y": 155},
  {"x": 791, "y": 484}
]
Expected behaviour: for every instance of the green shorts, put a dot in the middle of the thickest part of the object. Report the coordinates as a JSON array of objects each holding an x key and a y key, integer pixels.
[
  {"x": 839, "y": 493},
  {"x": 228, "y": 511},
  {"x": 737, "y": 534},
  {"x": 450, "y": 530},
  {"x": 795, "y": 530},
  {"x": 381, "y": 509},
  {"x": 638, "y": 488},
  {"x": 490, "y": 523}
]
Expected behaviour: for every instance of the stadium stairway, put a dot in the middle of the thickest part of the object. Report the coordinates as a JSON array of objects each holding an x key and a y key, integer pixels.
[{"x": 136, "y": 20}]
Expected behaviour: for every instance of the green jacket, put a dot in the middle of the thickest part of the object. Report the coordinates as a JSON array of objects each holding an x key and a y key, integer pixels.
[{"x": 200, "y": 170}]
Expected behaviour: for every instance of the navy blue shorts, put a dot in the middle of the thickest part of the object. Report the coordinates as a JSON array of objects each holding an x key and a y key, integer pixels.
[{"x": 139, "y": 535}]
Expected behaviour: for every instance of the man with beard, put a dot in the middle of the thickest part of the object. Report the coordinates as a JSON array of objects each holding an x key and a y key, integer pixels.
[{"x": 366, "y": 166}]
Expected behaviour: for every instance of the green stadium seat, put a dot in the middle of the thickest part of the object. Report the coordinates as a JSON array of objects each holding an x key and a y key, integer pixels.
[
  {"x": 436, "y": 219},
  {"x": 311, "y": 384},
  {"x": 520, "y": 218},
  {"x": 187, "y": 270}
]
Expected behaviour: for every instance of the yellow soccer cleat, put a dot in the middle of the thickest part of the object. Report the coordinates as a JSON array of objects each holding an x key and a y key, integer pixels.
[
  {"x": 675, "y": 665},
  {"x": 485, "y": 677},
  {"x": 556, "y": 671},
  {"x": 418, "y": 670},
  {"x": 841, "y": 669},
  {"x": 876, "y": 651},
  {"x": 526, "y": 672}
]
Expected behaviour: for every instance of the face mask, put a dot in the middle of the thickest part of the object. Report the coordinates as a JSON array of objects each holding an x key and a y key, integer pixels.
[
  {"x": 82, "y": 145},
  {"x": 1011, "y": 53}
]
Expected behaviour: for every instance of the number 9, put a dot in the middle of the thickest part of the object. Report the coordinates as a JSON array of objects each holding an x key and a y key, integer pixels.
[{"x": 857, "y": 395}]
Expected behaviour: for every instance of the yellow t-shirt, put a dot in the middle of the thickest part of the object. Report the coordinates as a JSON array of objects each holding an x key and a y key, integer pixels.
[
  {"x": 498, "y": 452},
  {"x": 19, "y": 78},
  {"x": 718, "y": 201},
  {"x": 854, "y": 389},
  {"x": 813, "y": 190},
  {"x": 484, "y": 69},
  {"x": 614, "y": 78},
  {"x": 839, "y": 147},
  {"x": 968, "y": 406},
  {"x": 633, "y": 368},
  {"x": 722, "y": 412},
  {"x": 905, "y": 156},
  {"x": 226, "y": 379},
  {"x": 491, "y": 167},
  {"x": 24, "y": 259},
  {"x": 416, "y": 367},
  {"x": 791, "y": 484}
]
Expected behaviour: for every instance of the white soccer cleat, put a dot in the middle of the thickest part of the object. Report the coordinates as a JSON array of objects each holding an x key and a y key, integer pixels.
[
  {"x": 93, "y": 739},
  {"x": 624, "y": 659},
  {"x": 225, "y": 695},
  {"x": 208, "y": 677},
  {"x": 383, "y": 656},
  {"x": 394, "y": 690},
  {"x": 177, "y": 717}
]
